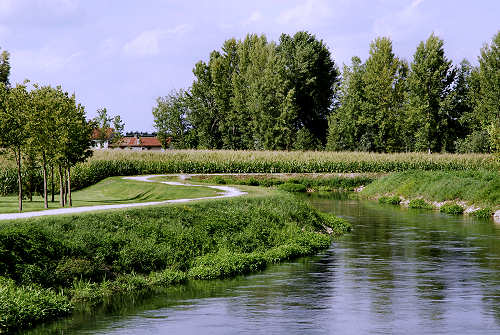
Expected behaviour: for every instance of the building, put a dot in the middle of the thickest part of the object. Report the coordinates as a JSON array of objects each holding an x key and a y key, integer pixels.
[
  {"x": 99, "y": 143},
  {"x": 138, "y": 143}
]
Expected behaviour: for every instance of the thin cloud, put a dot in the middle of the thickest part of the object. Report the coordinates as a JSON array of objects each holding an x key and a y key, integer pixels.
[
  {"x": 256, "y": 16},
  {"x": 305, "y": 13},
  {"x": 400, "y": 23},
  {"x": 148, "y": 42},
  {"x": 45, "y": 59}
]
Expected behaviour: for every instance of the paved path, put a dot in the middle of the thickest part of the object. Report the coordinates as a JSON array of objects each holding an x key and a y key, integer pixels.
[{"x": 227, "y": 193}]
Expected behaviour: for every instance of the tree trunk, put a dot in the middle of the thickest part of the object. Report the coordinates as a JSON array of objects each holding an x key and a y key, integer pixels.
[
  {"x": 65, "y": 187},
  {"x": 44, "y": 169},
  {"x": 61, "y": 187},
  {"x": 69, "y": 187},
  {"x": 19, "y": 178},
  {"x": 52, "y": 181}
]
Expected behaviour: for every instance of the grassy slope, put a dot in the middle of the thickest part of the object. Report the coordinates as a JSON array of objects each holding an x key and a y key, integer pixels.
[
  {"x": 481, "y": 188},
  {"x": 48, "y": 264},
  {"x": 114, "y": 190}
]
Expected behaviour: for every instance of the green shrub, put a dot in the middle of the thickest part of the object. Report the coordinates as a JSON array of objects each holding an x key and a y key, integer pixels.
[
  {"x": 483, "y": 213},
  {"x": 24, "y": 306},
  {"x": 393, "y": 200},
  {"x": 291, "y": 187},
  {"x": 453, "y": 209},
  {"x": 420, "y": 203}
]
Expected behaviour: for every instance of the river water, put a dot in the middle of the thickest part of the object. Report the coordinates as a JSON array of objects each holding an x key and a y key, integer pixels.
[{"x": 399, "y": 271}]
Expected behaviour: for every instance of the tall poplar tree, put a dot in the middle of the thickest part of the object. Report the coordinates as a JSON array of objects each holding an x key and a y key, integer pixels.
[
  {"x": 383, "y": 77},
  {"x": 488, "y": 105},
  {"x": 429, "y": 84},
  {"x": 346, "y": 126}
]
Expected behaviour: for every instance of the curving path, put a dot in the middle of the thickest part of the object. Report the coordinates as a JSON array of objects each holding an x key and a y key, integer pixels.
[{"x": 227, "y": 192}]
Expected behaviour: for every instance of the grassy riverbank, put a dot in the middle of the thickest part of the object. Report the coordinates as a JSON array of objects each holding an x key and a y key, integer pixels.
[
  {"x": 469, "y": 188},
  {"x": 50, "y": 264}
]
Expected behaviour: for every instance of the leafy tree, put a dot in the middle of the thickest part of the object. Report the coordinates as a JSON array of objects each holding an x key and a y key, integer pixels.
[
  {"x": 108, "y": 129},
  {"x": 429, "y": 84},
  {"x": 42, "y": 128},
  {"x": 14, "y": 104},
  {"x": 382, "y": 78},
  {"x": 458, "y": 107},
  {"x": 204, "y": 115},
  {"x": 4, "y": 68},
  {"x": 346, "y": 124},
  {"x": 488, "y": 104},
  {"x": 222, "y": 68},
  {"x": 311, "y": 72},
  {"x": 170, "y": 120},
  {"x": 76, "y": 136}
]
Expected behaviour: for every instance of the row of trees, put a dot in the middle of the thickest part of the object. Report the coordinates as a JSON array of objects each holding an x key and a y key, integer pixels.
[
  {"x": 43, "y": 127},
  {"x": 255, "y": 94},
  {"x": 430, "y": 105}
]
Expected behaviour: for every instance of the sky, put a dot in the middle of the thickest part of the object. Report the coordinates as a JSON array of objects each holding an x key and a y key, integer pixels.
[{"x": 124, "y": 54}]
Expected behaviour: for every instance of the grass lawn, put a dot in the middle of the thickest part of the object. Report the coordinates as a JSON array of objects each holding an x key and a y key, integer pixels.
[{"x": 111, "y": 191}]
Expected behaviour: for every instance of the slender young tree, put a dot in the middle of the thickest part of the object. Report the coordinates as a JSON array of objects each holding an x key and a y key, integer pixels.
[
  {"x": 14, "y": 104},
  {"x": 429, "y": 83}
]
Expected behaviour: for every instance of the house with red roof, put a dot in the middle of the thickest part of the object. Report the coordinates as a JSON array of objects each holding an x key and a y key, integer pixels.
[{"x": 138, "y": 143}]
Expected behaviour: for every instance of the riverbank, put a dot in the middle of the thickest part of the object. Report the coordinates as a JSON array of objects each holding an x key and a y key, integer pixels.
[
  {"x": 470, "y": 192},
  {"x": 51, "y": 264}
]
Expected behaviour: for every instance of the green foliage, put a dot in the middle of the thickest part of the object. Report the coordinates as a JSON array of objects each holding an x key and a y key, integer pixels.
[
  {"x": 4, "y": 68},
  {"x": 23, "y": 306},
  {"x": 429, "y": 84},
  {"x": 255, "y": 94},
  {"x": 170, "y": 120},
  {"x": 290, "y": 187},
  {"x": 393, "y": 200},
  {"x": 477, "y": 141},
  {"x": 420, "y": 203},
  {"x": 483, "y": 213},
  {"x": 451, "y": 208},
  {"x": 488, "y": 106}
]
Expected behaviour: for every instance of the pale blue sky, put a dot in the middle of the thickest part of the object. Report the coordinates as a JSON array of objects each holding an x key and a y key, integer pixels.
[{"x": 122, "y": 54}]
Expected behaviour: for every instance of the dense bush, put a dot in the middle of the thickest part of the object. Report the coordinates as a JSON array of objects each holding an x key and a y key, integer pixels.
[
  {"x": 453, "y": 209},
  {"x": 420, "y": 203},
  {"x": 291, "y": 187},
  {"x": 393, "y": 200},
  {"x": 23, "y": 306},
  {"x": 483, "y": 213}
]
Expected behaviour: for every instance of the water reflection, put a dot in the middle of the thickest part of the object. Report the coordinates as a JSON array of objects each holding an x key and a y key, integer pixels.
[{"x": 399, "y": 271}]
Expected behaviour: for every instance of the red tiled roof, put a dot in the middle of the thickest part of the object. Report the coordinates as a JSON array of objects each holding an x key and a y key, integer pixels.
[
  {"x": 150, "y": 142},
  {"x": 144, "y": 142}
]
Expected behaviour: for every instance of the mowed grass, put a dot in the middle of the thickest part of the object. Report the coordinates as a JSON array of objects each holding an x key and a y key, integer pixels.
[{"x": 112, "y": 191}]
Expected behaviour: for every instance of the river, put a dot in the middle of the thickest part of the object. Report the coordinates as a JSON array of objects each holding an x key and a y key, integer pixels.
[{"x": 399, "y": 271}]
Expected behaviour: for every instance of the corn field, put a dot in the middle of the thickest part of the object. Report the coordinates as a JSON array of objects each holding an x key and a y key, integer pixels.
[{"x": 108, "y": 163}]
